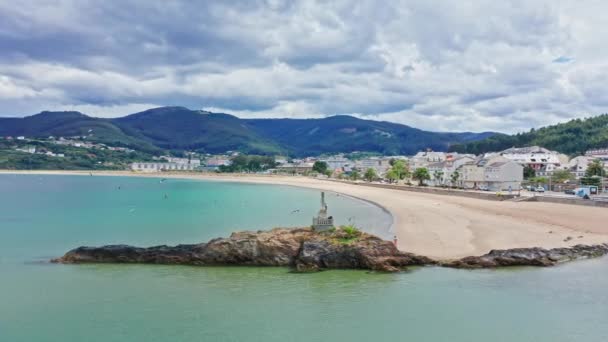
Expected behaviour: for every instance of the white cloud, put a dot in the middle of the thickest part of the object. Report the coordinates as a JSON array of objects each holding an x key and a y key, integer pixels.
[{"x": 485, "y": 65}]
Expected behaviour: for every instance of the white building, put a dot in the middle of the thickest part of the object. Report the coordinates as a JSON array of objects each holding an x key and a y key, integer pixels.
[
  {"x": 447, "y": 168},
  {"x": 214, "y": 163},
  {"x": 336, "y": 162},
  {"x": 423, "y": 159},
  {"x": 495, "y": 173},
  {"x": 601, "y": 154},
  {"x": 157, "y": 167},
  {"x": 380, "y": 165},
  {"x": 542, "y": 160},
  {"x": 578, "y": 165}
]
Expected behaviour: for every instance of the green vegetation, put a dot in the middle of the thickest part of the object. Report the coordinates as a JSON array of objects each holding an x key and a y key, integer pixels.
[
  {"x": 348, "y": 234},
  {"x": 320, "y": 167},
  {"x": 249, "y": 163},
  {"x": 573, "y": 138},
  {"x": 595, "y": 168},
  {"x": 529, "y": 172},
  {"x": 421, "y": 175},
  {"x": 179, "y": 129},
  {"x": 437, "y": 175},
  {"x": 355, "y": 175},
  {"x": 370, "y": 175},
  {"x": 399, "y": 170},
  {"x": 454, "y": 178},
  {"x": 76, "y": 158},
  {"x": 561, "y": 176}
]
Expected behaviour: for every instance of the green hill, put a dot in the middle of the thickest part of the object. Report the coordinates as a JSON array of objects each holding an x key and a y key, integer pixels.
[
  {"x": 347, "y": 134},
  {"x": 69, "y": 124},
  {"x": 573, "y": 137},
  {"x": 179, "y": 128}
]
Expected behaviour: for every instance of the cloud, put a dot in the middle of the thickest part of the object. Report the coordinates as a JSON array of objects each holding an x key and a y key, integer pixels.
[{"x": 450, "y": 66}]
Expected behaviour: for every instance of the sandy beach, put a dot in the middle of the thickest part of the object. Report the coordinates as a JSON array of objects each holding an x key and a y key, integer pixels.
[{"x": 444, "y": 227}]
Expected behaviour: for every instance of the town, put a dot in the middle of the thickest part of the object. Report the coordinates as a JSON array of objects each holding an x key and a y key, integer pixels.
[{"x": 534, "y": 168}]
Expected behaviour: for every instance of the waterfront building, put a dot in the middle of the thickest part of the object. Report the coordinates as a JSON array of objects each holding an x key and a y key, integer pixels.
[
  {"x": 157, "y": 167},
  {"x": 543, "y": 161},
  {"x": 495, "y": 174},
  {"x": 380, "y": 165}
]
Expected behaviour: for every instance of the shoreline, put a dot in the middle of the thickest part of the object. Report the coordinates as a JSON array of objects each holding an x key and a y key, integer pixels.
[{"x": 438, "y": 226}]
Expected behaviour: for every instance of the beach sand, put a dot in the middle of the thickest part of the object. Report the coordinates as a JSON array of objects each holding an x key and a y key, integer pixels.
[{"x": 445, "y": 227}]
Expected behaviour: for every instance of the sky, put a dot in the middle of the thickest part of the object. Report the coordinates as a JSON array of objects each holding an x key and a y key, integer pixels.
[{"x": 503, "y": 66}]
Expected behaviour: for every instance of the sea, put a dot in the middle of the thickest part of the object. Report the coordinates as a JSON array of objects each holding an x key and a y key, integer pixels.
[{"x": 44, "y": 216}]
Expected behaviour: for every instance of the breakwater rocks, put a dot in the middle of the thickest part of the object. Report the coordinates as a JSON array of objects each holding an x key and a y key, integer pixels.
[
  {"x": 301, "y": 248},
  {"x": 306, "y": 250},
  {"x": 529, "y": 257}
]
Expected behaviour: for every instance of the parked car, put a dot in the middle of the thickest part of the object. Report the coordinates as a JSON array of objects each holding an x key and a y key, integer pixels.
[
  {"x": 569, "y": 192},
  {"x": 540, "y": 189},
  {"x": 484, "y": 188}
]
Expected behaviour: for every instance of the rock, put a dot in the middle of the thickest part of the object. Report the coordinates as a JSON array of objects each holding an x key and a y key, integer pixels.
[
  {"x": 308, "y": 251},
  {"x": 302, "y": 248},
  {"x": 529, "y": 257}
]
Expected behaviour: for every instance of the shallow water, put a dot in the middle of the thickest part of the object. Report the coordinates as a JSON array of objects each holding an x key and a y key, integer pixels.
[{"x": 44, "y": 216}]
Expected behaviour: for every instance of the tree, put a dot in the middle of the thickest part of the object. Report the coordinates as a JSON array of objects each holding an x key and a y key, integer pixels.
[
  {"x": 370, "y": 174},
  {"x": 400, "y": 169},
  {"x": 529, "y": 172},
  {"x": 560, "y": 176},
  {"x": 392, "y": 176},
  {"x": 320, "y": 167},
  {"x": 354, "y": 175},
  {"x": 437, "y": 175},
  {"x": 454, "y": 178},
  {"x": 539, "y": 180},
  {"x": 595, "y": 168},
  {"x": 421, "y": 175},
  {"x": 593, "y": 180}
]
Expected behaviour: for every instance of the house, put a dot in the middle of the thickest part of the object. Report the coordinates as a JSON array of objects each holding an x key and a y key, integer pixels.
[
  {"x": 296, "y": 168},
  {"x": 157, "y": 167},
  {"x": 578, "y": 166},
  {"x": 336, "y": 162},
  {"x": 543, "y": 161},
  {"x": 495, "y": 174},
  {"x": 445, "y": 169},
  {"x": 380, "y": 165},
  {"x": 214, "y": 163},
  {"x": 423, "y": 159}
]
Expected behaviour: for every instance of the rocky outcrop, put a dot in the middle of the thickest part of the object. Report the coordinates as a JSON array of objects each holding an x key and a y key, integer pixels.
[
  {"x": 306, "y": 250},
  {"x": 529, "y": 257},
  {"x": 300, "y": 248}
]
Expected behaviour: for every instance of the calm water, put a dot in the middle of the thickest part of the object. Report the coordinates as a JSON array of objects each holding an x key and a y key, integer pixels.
[{"x": 43, "y": 216}]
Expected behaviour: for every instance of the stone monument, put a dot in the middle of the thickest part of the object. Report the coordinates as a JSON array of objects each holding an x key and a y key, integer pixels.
[{"x": 323, "y": 222}]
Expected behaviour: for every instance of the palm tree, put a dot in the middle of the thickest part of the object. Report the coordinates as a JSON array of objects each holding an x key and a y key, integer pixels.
[{"x": 437, "y": 175}]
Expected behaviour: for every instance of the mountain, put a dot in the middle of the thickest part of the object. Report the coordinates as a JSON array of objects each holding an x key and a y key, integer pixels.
[
  {"x": 573, "y": 137},
  {"x": 69, "y": 124},
  {"x": 343, "y": 133},
  {"x": 179, "y": 128}
]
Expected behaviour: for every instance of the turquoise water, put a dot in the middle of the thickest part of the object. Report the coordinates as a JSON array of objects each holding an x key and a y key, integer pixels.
[{"x": 43, "y": 216}]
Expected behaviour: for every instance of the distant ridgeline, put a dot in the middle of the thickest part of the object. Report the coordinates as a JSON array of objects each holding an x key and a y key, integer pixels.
[
  {"x": 179, "y": 129},
  {"x": 573, "y": 138}
]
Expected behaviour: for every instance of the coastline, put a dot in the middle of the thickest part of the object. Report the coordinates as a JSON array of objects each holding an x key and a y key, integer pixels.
[{"x": 438, "y": 226}]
